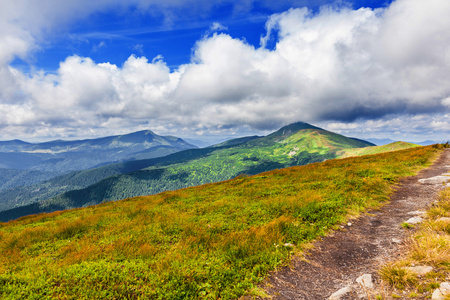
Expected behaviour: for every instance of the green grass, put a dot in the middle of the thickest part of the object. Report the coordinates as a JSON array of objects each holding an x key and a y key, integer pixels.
[{"x": 208, "y": 242}]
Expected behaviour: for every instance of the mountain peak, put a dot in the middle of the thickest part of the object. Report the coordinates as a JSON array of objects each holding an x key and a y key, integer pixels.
[
  {"x": 146, "y": 132},
  {"x": 293, "y": 128},
  {"x": 138, "y": 134}
]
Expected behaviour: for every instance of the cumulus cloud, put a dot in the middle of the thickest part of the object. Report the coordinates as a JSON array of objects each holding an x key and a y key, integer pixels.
[
  {"x": 332, "y": 67},
  {"x": 409, "y": 128}
]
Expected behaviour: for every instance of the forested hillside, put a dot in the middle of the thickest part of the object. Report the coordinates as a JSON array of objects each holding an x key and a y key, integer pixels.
[{"x": 10, "y": 178}]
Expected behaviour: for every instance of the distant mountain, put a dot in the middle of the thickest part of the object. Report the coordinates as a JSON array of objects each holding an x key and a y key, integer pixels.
[
  {"x": 295, "y": 144},
  {"x": 380, "y": 142},
  {"x": 429, "y": 142},
  {"x": 6, "y": 146},
  {"x": 63, "y": 156},
  {"x": 198, "y": 143},
  {"x": 364, "y": 141}
]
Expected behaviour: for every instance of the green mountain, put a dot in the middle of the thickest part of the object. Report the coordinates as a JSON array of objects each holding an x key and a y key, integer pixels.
[{"x": 295, "y": 144}]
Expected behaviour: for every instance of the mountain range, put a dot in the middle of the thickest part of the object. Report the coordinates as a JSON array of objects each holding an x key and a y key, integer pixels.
[
  {"x": 296, "y": 144},
  {"x": 381, "y": 142},
  {"x": 23, "y": 163},
  {"x": 63, "y": 156}
]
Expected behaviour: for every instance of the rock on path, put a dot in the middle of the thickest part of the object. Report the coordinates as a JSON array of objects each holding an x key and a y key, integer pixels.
[{"x": 441, "y": 292}]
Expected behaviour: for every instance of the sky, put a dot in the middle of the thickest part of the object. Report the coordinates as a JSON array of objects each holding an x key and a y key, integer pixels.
[{"x": 212, "y": 70}]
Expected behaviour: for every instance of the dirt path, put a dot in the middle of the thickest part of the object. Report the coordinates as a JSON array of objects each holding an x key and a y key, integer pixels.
[{"x": 337, "y": 260}]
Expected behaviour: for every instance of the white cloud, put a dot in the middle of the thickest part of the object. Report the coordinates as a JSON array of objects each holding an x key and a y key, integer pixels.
[
  {"x": 139, "y": 48},
  {"x": 217, "y": 27},
  {"x": 339, "y": 65},
  {"x": 99, "y": 46},
  {"x": 446, "y": 102},
  {"x": 416, "y": 128}
]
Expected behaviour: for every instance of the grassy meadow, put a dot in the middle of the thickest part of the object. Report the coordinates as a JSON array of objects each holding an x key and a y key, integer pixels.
[{"x": 215, "y": 241}]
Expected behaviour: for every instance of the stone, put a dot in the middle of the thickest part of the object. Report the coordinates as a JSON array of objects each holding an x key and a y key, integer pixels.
[
  {"x": 420, "y": 270},
  {"x": 396, "y": 241},
  {"x": 444, "y": 219},
  {"x": 441, "y": 292},
  {"x": 416, "y": 212},
  {"x": 365, "y": 281},
  {"x": 437, "y": 295},
  {"x": 414, "y": 220},
  {"x": 445, "y": 288},
  {"x": 341, "y": 293},
  {"x": 435, "y": 180}
]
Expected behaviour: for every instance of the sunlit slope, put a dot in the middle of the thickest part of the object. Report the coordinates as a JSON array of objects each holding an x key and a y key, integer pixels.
[
  {"x": 208, "y": 242},
  {"x": 376, "y": 149},
  {"x": 295, "y": 144},
  {"x": 320, "y": 141}
]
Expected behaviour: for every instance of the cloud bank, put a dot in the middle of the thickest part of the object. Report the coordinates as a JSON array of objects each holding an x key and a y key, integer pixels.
[{"x": 383, "y": 68}]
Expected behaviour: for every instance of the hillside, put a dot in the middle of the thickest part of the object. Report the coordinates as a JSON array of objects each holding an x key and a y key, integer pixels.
[
  {"x": 34, "y": 172},
  {"x": 295, "y": 144},
  {"x": 207, "y": 242},
  {"x": 376, "y": 149},
  {"x": 64, "y": 156},
  {"x": 11, "y": 178},
  {"x": 23, "y": 195}
]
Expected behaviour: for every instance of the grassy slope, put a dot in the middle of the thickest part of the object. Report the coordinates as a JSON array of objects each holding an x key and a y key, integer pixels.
[
  {"x": 212, "y": 241},
  {"x": 297, "y": 144},
  {"x": 376, "y": 149}
]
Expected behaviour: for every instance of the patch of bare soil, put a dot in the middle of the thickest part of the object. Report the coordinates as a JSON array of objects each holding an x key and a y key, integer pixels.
[{"x": 361, "y": 248}]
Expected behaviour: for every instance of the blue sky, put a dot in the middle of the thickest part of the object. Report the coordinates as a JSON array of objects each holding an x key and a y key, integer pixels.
[
  {"x": 112, "y": 35},
  {"x": 220, "y": 69}
]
